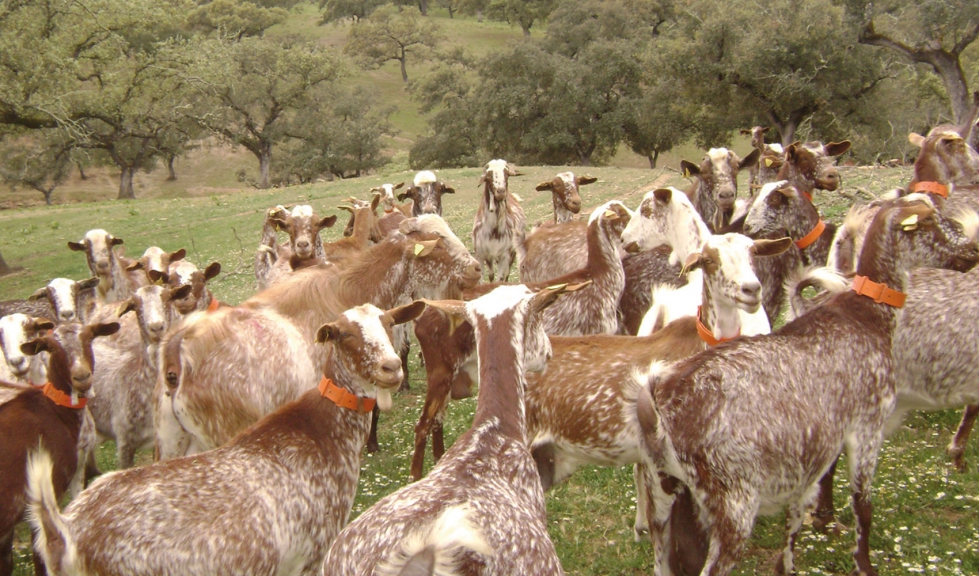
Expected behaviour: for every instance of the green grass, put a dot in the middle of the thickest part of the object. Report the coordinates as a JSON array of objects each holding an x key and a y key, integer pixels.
[{"x": 925, "y": 514}]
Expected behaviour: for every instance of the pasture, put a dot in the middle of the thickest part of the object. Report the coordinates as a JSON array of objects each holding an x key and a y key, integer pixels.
[{"x": 925, "y": 514}]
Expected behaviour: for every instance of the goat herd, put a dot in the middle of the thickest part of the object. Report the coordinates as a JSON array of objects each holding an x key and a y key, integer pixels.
[{"x": 638, "y": 338}]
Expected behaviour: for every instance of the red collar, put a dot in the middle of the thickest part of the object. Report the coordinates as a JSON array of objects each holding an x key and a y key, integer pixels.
[
  {"x": 345, "y": 398},
  {"x": 933, "y": 187},
  {"x": 707, "y": 335},
  {"x": 388, "y": 210},
  {"x": 60, "y": 398},
  {"x": 807, "y": 240},
  {"x": 879, "y": 292},
  {"x": 807, "y": 195},
  {"x": 213, "y": 305}
]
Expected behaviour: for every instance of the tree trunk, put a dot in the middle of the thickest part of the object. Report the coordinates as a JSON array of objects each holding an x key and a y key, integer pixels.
[
  {"x": 126, "y": 184},
  {"x": 423, "y": 7},
  {"x": 404, "y": 70},
  {"x": 81, "y": 171},
  {"x": 652, "y": 159},
  {"x": 264, "y": 165},
  {"x": 172, "y": 176},
  {"x": 4, "y": 269}
]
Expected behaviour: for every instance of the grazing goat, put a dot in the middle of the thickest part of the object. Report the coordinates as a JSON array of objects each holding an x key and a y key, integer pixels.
[
  {"x": 126, "y": 368},
  {"x": 701, "y": 418},
  {"x": 426, "y": 194},
  {"x": 489, "y": 471},
  {"x": 499, "y": 225},
  {"x": 449, "y": 351},
  {"x": 115, "y": 282},
  {"x": 715, "y": 186},
  {"x": 303, "y": 227},
  {"x": 50, "y": 416},
  {"x": 578, "y": 410},
  {"x": 284, "y": 487},
  {"x": 226, "y": 369},
  {"x": 552, "y": 250},
  {"x": 62, "y": 300}
]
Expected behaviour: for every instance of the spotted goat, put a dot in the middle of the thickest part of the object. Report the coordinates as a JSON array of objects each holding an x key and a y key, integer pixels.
[{"x": 499, "y": 224}]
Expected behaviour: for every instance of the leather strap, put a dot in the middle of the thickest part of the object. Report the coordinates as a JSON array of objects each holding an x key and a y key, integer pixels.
[
  {"x": 879, "y": 292},
  {"x": 807, "y": 240},
  {"x": 345, "y": 398}
]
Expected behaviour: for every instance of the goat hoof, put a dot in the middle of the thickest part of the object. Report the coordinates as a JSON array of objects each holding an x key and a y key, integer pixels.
[
  {"x": 958, "y": 460},
  {"x": 372, "y": 447},
  {"x": 641, "y": 533}
]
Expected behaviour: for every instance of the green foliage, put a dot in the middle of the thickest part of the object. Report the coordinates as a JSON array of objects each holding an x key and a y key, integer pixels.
[
  {"x": 37, "y": 159},
  {"x": 523, "y": 13},
  {"x": 235, "y": 18},
  {"x": 390, "y": 33},
  {"x": 336, "y": 10}
]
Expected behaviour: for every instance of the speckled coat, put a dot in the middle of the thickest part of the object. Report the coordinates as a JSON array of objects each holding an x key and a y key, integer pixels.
[
  {"x": 499, "y": 224},
  {"x": 115, "y": 281}
]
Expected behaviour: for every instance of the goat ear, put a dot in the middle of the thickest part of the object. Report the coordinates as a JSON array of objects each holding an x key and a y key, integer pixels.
[
  {"x": 326, "y": 332},
  {"x": 77, "y": 246},
  {"x": 764, "y": 130},
  {"x": 181, "y": 292},
  {"x": 482, "y": 180},
  {"x": 106, "y": 329},
  {"x": 137, "y": 265},
  {"x": 908, "y": 217},
  {"x": 745, "y": 131},
  {"x": 40, "y": 293},
  {"x": 447, "y": 190},
  {"x": 693, "y": 262},
  {"x": 408, "y": 312},
  {"x": 375, "y": 202},
  {"x": 156, "y": 276},
  {"x": 771, "y": 247},
  {"x": 212, "y": 270},
  {"x": 689, "y": 169},
  {"x": 35, "y": 346},
  {"x": 512, "y": 170},
  {"x": 405, "y": 195},
  {"x": 424, "y": 247},
  {"x": 42, "y": 324},
  {"x": 398, "y": 185},
  {"x": 750, "y": 160},
  {"x": 663, "y": 195},
  {"x": 836, "y": 148},
  {"x": 178, "y": 255},
  {"x": 792, "y": 150},
  {"x": 586, "y": 180},
  {"x": 545, "y": 186},
  {"x": 914, "y": 138},
  {"x": 115, "y": 241},
  {"x": 328, "y": 221},
  {"x": 126, "y": 306},
  {"x": 88, "y": 283}
]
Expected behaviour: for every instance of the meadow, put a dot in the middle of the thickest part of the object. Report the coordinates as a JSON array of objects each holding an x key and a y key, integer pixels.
[{"x": 925, "y": 513}]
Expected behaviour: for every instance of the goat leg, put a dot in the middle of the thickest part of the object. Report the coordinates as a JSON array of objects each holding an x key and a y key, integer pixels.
[
  {"x": 372, "y": 445},
  {"x": 825, "y": 513},
  {"x": 956, "y": 448}
]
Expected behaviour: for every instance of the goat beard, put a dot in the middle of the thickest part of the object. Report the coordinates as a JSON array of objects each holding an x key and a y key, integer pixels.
[{"x": 384, "y": 400}]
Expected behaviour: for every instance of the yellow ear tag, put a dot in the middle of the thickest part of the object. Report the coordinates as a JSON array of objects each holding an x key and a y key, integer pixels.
[
  {"x": 768, "y": 162},
  {"x": 910, "y": 223},
  {"x": 686, "y": 173},
  {"x": 419, "y": 249},
  {"x": 609, "y": 214},
  {"x": 558, "y": 286}
]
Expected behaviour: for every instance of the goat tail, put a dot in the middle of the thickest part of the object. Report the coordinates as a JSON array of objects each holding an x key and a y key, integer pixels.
[
  {"x": 824, "y": 279},
  {"x": 53, "y": 539},
  {"x": 437, "y": 549}
]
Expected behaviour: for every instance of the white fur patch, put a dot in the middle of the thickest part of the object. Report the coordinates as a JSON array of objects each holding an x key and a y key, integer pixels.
[
  {"x": 498, "y": 301},
  {"x": 425, "y": 177},
  {"x": 302, "y": 211}
]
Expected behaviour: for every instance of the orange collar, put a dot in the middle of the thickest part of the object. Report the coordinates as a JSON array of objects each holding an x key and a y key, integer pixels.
[
  {"x": 933, "y": 187},
  {"x": 345, "y": 398},
  {"x": 879, "y": 292},
  {"x": 213, "y": 305},
  {"x": 62, "y": 399},
  {"x": 388, "y": 210},
  {"x": 807, "y": 240},
  {"x": 707, "y": 335},
  {"x": 808, "y": 196}
]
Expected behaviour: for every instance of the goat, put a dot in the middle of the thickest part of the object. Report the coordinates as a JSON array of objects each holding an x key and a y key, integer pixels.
[
  {"x": 51, "y": 416},
  {"x": 62, "y": 300},
  {"x": 363, "y": 231},
  {"x": 126, "y": 368},
  {"x": 156, "y": 263},
  {"x": 765, "y": 169},
  {"x": 489, "y": 471},
  {"x": 291, "y": 479},
  {"x": 426, "y": 193},
  {"x": 449, "y": 353},
  {"x": 578, "y": 409},
  {"x": 389, "y": 201},
  {"x": 706, "y": 409},
  {"x": 499, "y": 224},
  {"x": 715, "y": 186},
  {"x": 231, "y": 366},
  {"x": 269, "y": 250},
  {"x": 17, "y": 329},
  {"x": 115, "y": 282},
  {"x": 552, "y": 250},
  {"x": 184, "y": 273},
  {"x": 303, "y": 226}
]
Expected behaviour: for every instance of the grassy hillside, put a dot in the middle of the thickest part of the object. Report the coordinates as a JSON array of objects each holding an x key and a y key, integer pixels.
[{"x": 925, "y": 513}]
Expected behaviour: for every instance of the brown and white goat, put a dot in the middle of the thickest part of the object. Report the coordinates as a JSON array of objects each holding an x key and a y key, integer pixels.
[
  {"x": 284, "y": 487},
  {"x": 15, "y": 330},
  {"x": 126, "y": 368},
  {"x": 426, "y": 193},
  {"x": 499, "y": 224},
  {"x": 62, "y": 300},
  {"x": 115, "y": 281},
  {"x": 303, "y": 226},
  {"x": 50, "y": 416},
  {"x": 552, "y": 250},
  {"x": 769, "y": 421},
  {"x": 226, "y": 369},
  {"x": 449, "y": 351},
  {"x": 363, "y": 232},
  {"x": 485, "y": 482},
  {"x": 184, "y": 273},
  {"x": 389, "y": 201},
  {"x": 764, "y": 171},
  {"x": 156, "y": 263},
  {"x": 581, "y": 410},
  {"x": 715, "y": 187}
]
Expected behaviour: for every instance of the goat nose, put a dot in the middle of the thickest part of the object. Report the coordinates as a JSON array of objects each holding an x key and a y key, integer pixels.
[
  {"x": 102, "y": 265},
  {"x": 303, "y": 244},
  {"x": 67, "y": 315},
  {"x": 155, "y": 327},
  {"x": 752, "y": 289},
  {"x": 392, "y": 366},
  {"x": 81, "y": 375}
]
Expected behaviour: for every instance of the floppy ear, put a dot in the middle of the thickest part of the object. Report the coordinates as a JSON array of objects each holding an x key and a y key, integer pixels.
[
  {"x": 424, "y": 247},
  {"x": 771, "y": 247},
  {"x": 689, "y": 169},
  {"x": 329, "y": 331},
  {"x": 77, "y": 246},
  {"x": 408, "y": 312},
  {"x": 328, "y": 221},
  {"x": 836, "y": 148},
  {"x": 409, "y": 193},
  {"x": 126, "y": 306},
  {"x": 586, "y": 179},
  {"x": 181, "y": 292},
  {"x": 693, "y": 262},
  {"x": 908, "y": 217},
  {"x": 545, "y": 186},
  {"x": 914, "y": 138},
  {"x": 447, "y": 190},
  {"x": 106, "y": 329},
  {"x": 745, "y": 131},
  {"x": 88, "y": 283},
  {"x": 212, "y": 270},
  {"x": 750, "y": 160},
  {"x": 40, "y": 293},
  {"x": 137, "y": 265},
  {"x": 157, "y": 276},
  {"x": 178, "y": 255},
  {"x": 35, "y": 346},
  {"x": 42, "y": 324}
]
